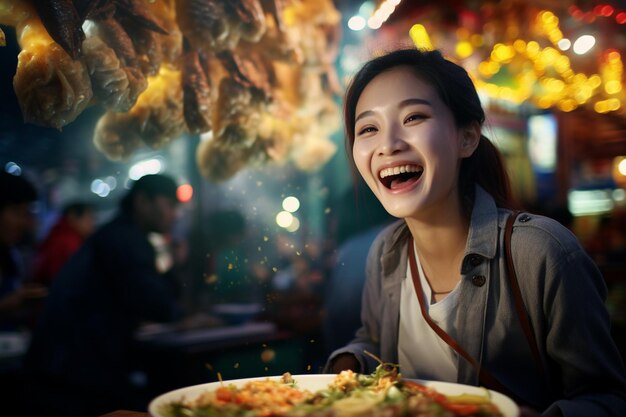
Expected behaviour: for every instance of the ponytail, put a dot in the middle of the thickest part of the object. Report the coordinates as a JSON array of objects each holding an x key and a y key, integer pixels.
[{"x": 485, "y": 168}]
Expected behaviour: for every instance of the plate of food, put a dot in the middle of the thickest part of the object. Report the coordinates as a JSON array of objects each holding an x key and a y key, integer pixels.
[{"x": 348, "y": 394}]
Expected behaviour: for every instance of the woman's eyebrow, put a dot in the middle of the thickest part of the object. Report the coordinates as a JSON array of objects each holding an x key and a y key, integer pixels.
[
  {"x": 363, "y": 114},
  {"x": 403, "y": 103},
  {"x": 411, "y": 101}
]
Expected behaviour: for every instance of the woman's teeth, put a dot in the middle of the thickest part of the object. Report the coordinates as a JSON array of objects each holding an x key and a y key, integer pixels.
[
  {"x": 399, "y": 170},
  {"x": 395, "y": 177}
]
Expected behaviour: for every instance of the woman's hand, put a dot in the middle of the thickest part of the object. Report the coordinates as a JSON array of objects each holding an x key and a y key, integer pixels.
[{"x": 343, "y": 362}]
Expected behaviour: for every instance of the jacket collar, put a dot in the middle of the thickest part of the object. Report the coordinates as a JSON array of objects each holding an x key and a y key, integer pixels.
[
  {"x": 483, "y": 231},
  {"x": 482, "y": 238}
]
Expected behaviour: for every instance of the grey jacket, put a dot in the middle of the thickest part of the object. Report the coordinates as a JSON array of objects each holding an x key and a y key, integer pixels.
[{"x": 564, "y": 295}]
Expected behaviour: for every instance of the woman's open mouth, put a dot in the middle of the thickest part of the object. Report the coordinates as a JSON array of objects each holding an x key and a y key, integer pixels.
[{"x": 400, "y": 176}]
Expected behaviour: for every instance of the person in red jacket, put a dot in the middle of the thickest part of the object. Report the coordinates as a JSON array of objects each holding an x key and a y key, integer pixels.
[{"x": 77, "y": 221}]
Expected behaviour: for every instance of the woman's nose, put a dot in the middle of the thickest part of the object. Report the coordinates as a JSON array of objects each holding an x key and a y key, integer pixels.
[{"x": 392, "y": 142}]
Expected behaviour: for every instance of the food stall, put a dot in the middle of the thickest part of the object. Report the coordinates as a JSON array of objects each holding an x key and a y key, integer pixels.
[{"x": 241, "y": 100}]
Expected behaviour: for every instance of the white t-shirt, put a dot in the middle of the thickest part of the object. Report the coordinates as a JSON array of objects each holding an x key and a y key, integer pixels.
[{"x": 421, "y": 352}]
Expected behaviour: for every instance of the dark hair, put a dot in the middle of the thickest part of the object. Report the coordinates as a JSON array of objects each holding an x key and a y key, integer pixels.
[
  {"x": 151, "y": 186},
  {"x": 15, "y": 189},
  {"x": 77, "y": 208},
  {"x": 455, "y": 88}
]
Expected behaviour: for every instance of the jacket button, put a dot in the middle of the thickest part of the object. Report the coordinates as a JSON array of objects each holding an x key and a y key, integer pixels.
[
  {"x": 524, "y": 218},
  {"x": 475, "y": 260},
  {"x": 479, "y": 280}
]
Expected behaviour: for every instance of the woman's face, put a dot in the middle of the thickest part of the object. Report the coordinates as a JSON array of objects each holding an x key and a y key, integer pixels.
[{"x": 407, "y": 146}]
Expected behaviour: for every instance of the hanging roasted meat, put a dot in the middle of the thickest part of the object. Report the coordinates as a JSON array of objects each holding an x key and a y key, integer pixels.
[
  {"x": 246, "y": 18},
  {"x": 118, "y": 135},
  {"x": 256, "y": 76},
  {"x": 203, "y": 23},
  {"x": 196, "y": 93},
  {"x": 52, "y": 88},
  {"x": 109, "y": 78},
  {"x": 63, "y": 24},
  {"x": 157, "y": 117},
  {"x": 171, "y": 45}
]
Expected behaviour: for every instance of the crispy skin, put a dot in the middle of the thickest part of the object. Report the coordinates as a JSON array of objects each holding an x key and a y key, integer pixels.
[
  {"x": 196, "y": 94},
  {"x": 136, "y": 12},
  {"x": 52, "y": 89},
  {"x": 203, "y": 22},
  {"x": 159, "y": 109},
  {"x": 109, "y": 78},
  {"x": 63, "y": 23},
  {"x": 247, "y": 18},
  {"x": 117, "y": 135},
  {"x": 247, "y": 70},
  {"x": 275, "y": 9},
  {"x": 113, "y": 33},
  {"x": 147, "y": 46}
]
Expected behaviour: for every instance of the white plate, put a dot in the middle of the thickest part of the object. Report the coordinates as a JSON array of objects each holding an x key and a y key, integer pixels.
[{"x": 317, "y": 382}]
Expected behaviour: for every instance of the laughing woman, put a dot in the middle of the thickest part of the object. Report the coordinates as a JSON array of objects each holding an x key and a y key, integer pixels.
[{"x": 440, "y": 298}]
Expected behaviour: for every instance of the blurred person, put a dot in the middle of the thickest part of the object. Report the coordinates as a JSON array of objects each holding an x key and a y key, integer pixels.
[
  {"x": 440, "y": 297},
  {"x": 17, "y": 224},
  {"x": 76, "y": 223},
  {"x": 80, "y": 356}
]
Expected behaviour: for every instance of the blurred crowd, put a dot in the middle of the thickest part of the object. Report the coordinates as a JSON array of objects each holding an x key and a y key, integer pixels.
[{"x": 80, "y": 291}]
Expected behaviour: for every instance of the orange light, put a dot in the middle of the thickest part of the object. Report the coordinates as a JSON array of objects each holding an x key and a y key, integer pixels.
[{"x": 184, "y": 193}]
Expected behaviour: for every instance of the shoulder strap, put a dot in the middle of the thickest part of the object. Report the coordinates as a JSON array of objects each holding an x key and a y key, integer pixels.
[
  {"x": 517, "y": 294},
  {"x": 485, "y": 377}
]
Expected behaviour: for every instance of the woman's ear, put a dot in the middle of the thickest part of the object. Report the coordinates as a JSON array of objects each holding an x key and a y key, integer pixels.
[{"x": 471, "y": 138}]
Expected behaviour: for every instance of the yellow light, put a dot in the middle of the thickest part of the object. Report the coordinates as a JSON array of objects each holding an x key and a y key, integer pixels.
[
  {"x": 494, "y": 67},
  {"x": 545, "y": 16},
  {"x": 567, "y": 105},
  {"x": 613, "y": 56},
  {"x": 549, "y": 55},
  {"x": 520, "y": 46},
  {"x": 556, "y": 86},
  {"x": 601, "y": 107},
  {"x": 420, "y": 37},
  {"x": 532, "y": 49},
  {"x": 595, "y": 81},
  {"x": 614, "y": 104},
  {"x": 621, "y": 166},
  {"x": 582, "y": 94},
  {"x": 612, "y": 87},
  {"x": 544, "y": 102},
  {"x": 492, "y": 89},
  {"x": 619, "y": 176},
  {"x": 555, "y": 35},
  {"x": 502, "y": 53},
  {"x": 561, "y": 64},
  {"x": 483, "y": 68},
  {"x": 464, "y": 49}
]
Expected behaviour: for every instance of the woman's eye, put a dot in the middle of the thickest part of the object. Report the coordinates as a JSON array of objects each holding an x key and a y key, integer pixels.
[
  {"x": 366, "y": 129},
  {"x": 414, "y": 117}
]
